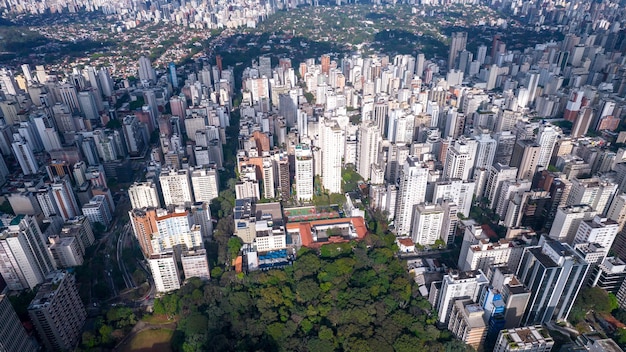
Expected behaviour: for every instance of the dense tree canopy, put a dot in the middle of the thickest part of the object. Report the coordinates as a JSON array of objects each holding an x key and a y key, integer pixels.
[{"x": 347, "y": 297}]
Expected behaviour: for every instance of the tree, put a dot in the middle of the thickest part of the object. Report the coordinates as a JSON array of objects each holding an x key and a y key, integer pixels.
[{"x": 234, "y": 246}]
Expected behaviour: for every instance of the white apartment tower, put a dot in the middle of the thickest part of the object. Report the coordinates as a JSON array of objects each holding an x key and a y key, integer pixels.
[
  {"x": 568, "y": 219},
  {"x": 165, "y": 272},
  {"x": 599, "y": 230},
  {"x": 412, "y": 191},
  {"x": 594, "y": 192},
  {"x": 546, "y": 138},
  {"x": 195, "y": 264},
  {"x": 332, "y": 140},
  {"x": 24, "y": 155},
  {"x": 176, "y": 187},
  {"x": 24, "y": 258},
  {"x": 144, "y": 195},
  {"x": 205, "y": 184},
  {"x": 455, "y": 285},
  {"x": 460, "y": 160},
  {"x": 304, "y": 172},
  {"x": 367, "y": 150},
  {"x": 617, "y": 210},
  {"x": 427, "y": 224},
  {"x": 269, "y": 190}
]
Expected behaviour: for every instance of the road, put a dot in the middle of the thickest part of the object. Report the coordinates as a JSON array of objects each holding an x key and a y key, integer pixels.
[{"x": 128, "y": 279}]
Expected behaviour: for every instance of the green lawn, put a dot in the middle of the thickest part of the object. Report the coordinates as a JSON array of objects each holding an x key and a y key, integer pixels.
[{"x": 150, "y": 341}]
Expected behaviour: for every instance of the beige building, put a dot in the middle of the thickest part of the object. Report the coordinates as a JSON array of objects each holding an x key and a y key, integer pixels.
[{"x": 467, "y": 323}]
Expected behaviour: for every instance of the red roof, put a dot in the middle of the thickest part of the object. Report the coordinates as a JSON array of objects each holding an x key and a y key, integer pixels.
[{"x": 306, "y": 237}]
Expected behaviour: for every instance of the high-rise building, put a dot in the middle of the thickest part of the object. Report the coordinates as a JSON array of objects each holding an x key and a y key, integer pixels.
[
  {"x": 176, "y": 187},
  {"x": 467, "y": 322},
  {"x": 457, "y": 44},
  {"x": 171, "y": 67},
  {"x": 173, "y": 229},
  {"x": 144, "y": 225},
  {"x": 144, "y": 195},
  {"x": 13, "y": 336},
  {"x": 567, "y": 220},
  {"x": 284, "y": 179},
  {"x": 200, "y": 213},
  {"x": 498, "y": 173},
  {"x": 595, "y": 192},
  {"x": 58, "y": 312},
  {"x": 25, "y": 260},
  {"x": 146, "y": 72},
  {"x": 88, "y": 105},
  {"x": 367, "y": 150},
  {"x": 525, "y": 339},
  {"x": 135, "y": 135},
  {"x": 554, "y": 273},
  {"x": 485, "y": 255},
  {"x": 485, "y": 151},
  {"x": 609, "y": 275},
  {"x": 458, "y": 285},
  {"x": 98, "y": 211},
  {"x": 165, "y": 272},
  {"x": 24, "y": 154},
  {"x": 412, "y": 191},
  {"x": 598, "y": 230},
  {"x": 460, "y": 159},
  {"x": 458, "y": 192},
  {"x": 205, "y": 183},
  {"x": 546, "y": 138},
  {"x": 65, "y": 199},
  {"x": 525, "y": 158},
  {"x": 332, "y": 141},
  {"x": 195, "y": 264},
  {"x": 269, "y": 190},
  {"x": 617, "y": 210},
  {"x": 304, "y": 172},
  {"x": 427, "y": 224}
]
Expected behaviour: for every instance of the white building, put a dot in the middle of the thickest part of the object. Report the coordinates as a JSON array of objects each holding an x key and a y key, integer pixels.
[
  {"x": 485, "y": 255},
  {"x": 24, "y": 258},
  {"x": 24, "y": 155},
  {"x": 367, "y": 152},
  {"x": 567, "y": 220},
  {"x": 460, "y": 160},
  {"x": 412, "y": 191},
  {"x": 594, "y": 192},
  {"x": 176, "y": 187},
  {"x": 195, "y": 264},
  {"x": 144, "y": 195},
  {"x": 546, "y": 138},
  {"x": 267, "y": 238},
  {"x": 205, "y": 183},
  {"x": 599, "y": 230},
  {"x": 175, "y": 229},
  {"x": 459, "y": 192},
  {"x": 332, "y": 141},
  {"x": 617, "y": 210},
  {"x": 164, "y": 272},
  {"x": 525, "y": 339},
  {"x": 66, "y": 251},
  {"x": 458, "y": 284},
  {"x": 427, "y": 224},
  {"x": 97, "y": 210},
  {"x": 304, "y": 172},
  {"x": 498, "y": 173}
]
